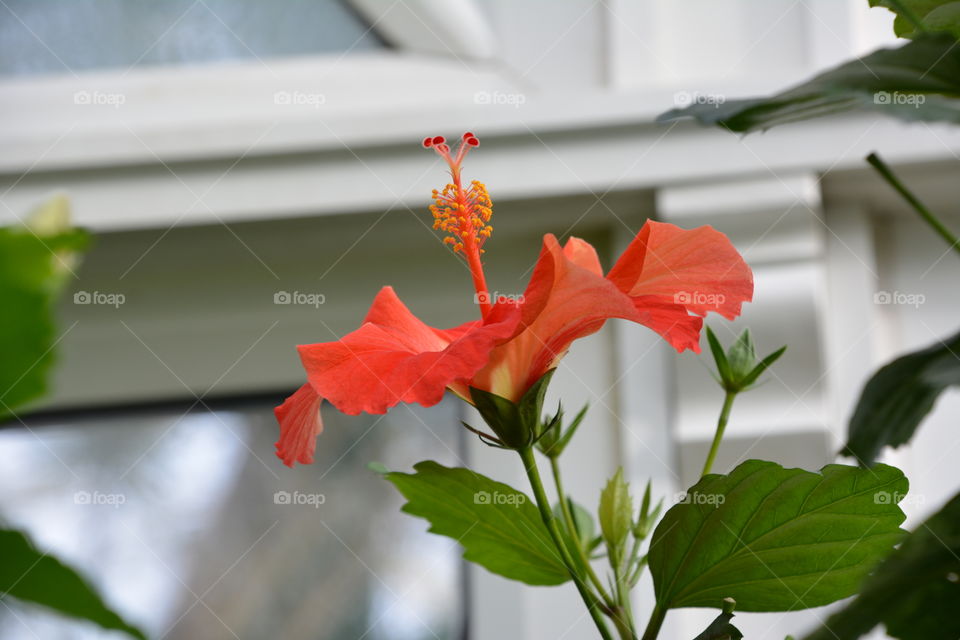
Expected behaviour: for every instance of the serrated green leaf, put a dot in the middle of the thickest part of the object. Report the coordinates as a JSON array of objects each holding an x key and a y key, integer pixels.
[
  {"x": 776, "y": 539},
  {"x": 895, "y": 400},
  {"x": 914, "y": 592},
  {"x": 616, "y": 515},
  {"x": 33, "y": 576},
  {"x": 33, "y": 270},
  {"x": 933, "y": 15},
  {"x": 499, "y": 527},
  {"x": 919, "y": 81}
]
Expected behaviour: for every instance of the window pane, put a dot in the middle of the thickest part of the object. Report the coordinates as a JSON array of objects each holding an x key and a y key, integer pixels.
[
  {"x": 59, "y": 36},
  {"x": 192, "y": 528}
]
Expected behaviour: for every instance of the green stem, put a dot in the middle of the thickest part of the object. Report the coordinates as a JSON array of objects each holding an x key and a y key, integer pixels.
[
  {"x": 622, "y": 614},
  {"x": 621, "y": 620},
  {"x": 887, "y": 174},
  {"x": 656, "y": 621},
  {"x": 546, "y": 514},
  {"x": 572, "y": 527},
  {"x": 634, "y": 552},
  {"x": 718, "y": 436}
]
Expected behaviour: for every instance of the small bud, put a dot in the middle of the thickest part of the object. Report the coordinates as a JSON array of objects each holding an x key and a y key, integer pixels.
[{"x": 738, "y": 368}]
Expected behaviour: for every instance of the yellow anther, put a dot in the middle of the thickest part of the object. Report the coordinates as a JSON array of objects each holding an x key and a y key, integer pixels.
[{"x": 464, "y": 214}]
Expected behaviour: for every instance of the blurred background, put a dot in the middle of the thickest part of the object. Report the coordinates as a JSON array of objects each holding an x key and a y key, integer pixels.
[{"x": 252, "y": 175}]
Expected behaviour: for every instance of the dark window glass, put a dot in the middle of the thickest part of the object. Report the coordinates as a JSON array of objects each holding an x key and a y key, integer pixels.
[{"x": 60, "y": 36}]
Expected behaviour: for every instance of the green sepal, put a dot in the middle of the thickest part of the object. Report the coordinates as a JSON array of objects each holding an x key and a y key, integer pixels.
[
  {"x": 516, "y": 424},
  {"x": 646, "y": 518},
  {"x": 738, "y": 368},
  {"x": 554, "y": 438}
]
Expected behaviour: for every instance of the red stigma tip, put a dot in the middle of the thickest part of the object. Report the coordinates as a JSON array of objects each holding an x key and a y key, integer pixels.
[
  {"x": 468, "y": 134},
  {"x": 438, "y": 140},
  {"x": 427, "y": 143},
  {"x": 472, "y": 141}
]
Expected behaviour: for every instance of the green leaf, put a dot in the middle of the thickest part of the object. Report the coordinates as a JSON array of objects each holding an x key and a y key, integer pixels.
[
  {"x": 616, "y": 515},
  {"x": 933, "y": 15},
  {"x": 33, "y": 576},
  {"x": 776, "y": 539},
  {"x": 914, "y": 592},
  {"x": 917, "y": 81},
  {"x": 582, "y": 520},
  {"x": 33, "y": 269},
  {"x": 720, "y": 628},
  {"x": 898, "y": 396},
  {"x": 499, "y": 527}
]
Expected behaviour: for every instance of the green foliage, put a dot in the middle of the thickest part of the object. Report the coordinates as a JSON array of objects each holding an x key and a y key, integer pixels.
[
  {"x": 582, "y": 521},
  {"x": 917, "y": 81},
  {"x": 555, "y": 438},
  {"x": 646, "y": 518},
  {"x": 898, "y": 396},
  {"x": 931, "y": 15},
  {"x": 776, "y": 539},
  {"x": 738, "y": 368},
  {"x": 915, "y": 592},
  {"x": 516, "y": 424},
  {"x": 616, "y": 515},
  {"x": 499, "y": 527},
  {"x": 32, "y": 576},
  {"x": 33, "y": 268},
  {"x": 721, "y": 628}
]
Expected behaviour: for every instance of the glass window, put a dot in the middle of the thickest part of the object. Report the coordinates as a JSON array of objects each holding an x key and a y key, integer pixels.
[
  {"x": 193, "y": 529},
  {"x": 60, "y": 36}
]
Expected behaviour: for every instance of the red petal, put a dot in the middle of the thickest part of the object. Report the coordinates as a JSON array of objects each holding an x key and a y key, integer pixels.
[
  {"x": 567, "y": 298},
  {"x": 299, "y": 418},
  {"x": 394, "y": 357},
  {"x": 697, "y": 269}
]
